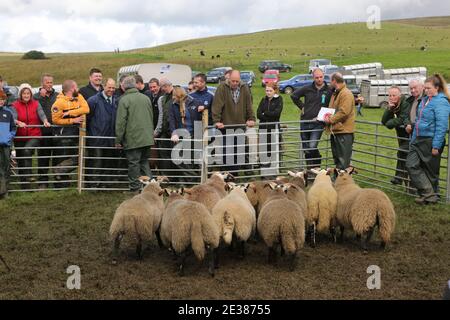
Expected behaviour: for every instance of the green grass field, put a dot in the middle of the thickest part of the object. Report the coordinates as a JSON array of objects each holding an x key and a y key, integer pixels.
[{"x": 41, "y": 234}]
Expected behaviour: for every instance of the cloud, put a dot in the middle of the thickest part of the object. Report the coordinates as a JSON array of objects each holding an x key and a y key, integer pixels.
[{"x": 69, "y": 26}]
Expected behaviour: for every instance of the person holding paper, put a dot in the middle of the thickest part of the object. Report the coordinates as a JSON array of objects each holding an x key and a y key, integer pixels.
[
  {"x": 316, "y": 96},
  {"x": 341, "y": 125}
]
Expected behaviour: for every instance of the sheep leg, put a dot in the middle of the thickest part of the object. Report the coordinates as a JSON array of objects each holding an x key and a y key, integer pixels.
[
  {"x": 216, "y": 258},
  {"x": 158, "y": 237},
  {"x": 369, "y": 235},
  {"x": 383, "y": 245},
  {"x": 341, "y": 238},
  {"x": 116, "y": 247},
  {"x": 212, "y": 266},
  {"x": 4, "y": 262},
  {"x": 241, "y": 249},
  {"x": 272, "y": 255},
  {"x": 139, "y": 251},
  {"x": 333, "y": 234},
  {"x": 312, "y": 235},
  {"x": 292, "y": 262},
  {"x": 182, "y": 261}
]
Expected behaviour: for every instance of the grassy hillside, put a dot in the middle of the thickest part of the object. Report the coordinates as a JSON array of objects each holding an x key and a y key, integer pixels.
[{"x": 397, "y": 44}]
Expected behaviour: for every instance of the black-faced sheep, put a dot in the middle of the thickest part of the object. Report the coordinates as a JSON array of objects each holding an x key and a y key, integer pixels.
[
  {"x": 363, "y": 209},
  {"x": 281, "y": 223},
  {"x": 189, "y": 225},
  {"x": 322, "y": 203},
  {"x": 139, "y": 217},
  {"x": 235, "y": 216}
]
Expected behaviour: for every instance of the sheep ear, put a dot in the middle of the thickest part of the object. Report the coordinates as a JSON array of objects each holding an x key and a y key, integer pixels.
[
  {"x": 162, "y": 192},
  {"x": 292, "y": 174},
  {"x": 316, "y": 172},
  {"x": 162, "y": 179},
  {"x": 187, "y": 191},
  {"x": 166, "y": 192},
  {"x": 330, "y": 171},
  {"x": 246, "y": 186}
]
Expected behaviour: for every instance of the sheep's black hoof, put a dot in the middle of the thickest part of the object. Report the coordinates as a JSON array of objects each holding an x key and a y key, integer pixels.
[{"x": 383, "y": 245}]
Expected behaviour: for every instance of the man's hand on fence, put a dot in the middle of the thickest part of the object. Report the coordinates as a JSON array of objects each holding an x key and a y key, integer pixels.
[
  {"x": 118, "y": 146},
  {"x": 408, "y": 129},
  {"x": 201, "y": 108},
  {"x": 47, "y": 124},
  {"x": 78, "y": 120},
  {"x": 435, "y": 152},
  {"x": 327, "y": 118},
  {"x": 175, "y": 138},
  {"x": 251, "y": 123},
  {"x": 220, "y": 125}
]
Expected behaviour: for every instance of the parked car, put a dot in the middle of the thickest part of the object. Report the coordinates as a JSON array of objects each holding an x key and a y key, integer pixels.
[
  {"x": 248, "y": 77},
  {"x": 217, "y": 74},
  {"x": 289, "y": 86},
  {"x": 274, "y": 65},
  {"x": 271, "y": 76},
  {"x": 318, "y": 63}
]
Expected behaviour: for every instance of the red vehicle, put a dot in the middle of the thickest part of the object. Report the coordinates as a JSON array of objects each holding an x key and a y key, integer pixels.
[{"x": 271, "y": 76}]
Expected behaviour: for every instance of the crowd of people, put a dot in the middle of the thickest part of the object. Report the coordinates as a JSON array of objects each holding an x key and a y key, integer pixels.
[{"x": 143, "y": 120}]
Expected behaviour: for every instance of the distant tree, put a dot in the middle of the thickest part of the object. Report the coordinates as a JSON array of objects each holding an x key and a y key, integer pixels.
[{"x": 34, "y": 55}]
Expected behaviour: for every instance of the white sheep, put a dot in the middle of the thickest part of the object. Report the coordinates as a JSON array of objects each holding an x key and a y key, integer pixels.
[
  {"x": 322, "y": 203},
  {"x": 236, "y": 218},
  {"x": 188, "y": 224},
  {"x": 281, "y": 222},
  {"x": 138, "y": 217},
  {"x": 363, "y": 209},
  {"x": 210, "y": 192}
]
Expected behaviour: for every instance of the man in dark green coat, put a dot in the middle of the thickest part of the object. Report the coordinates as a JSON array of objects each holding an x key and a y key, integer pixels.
[
  {"x": 134, "y": 132},
  {"x": 398, "y": 116}
]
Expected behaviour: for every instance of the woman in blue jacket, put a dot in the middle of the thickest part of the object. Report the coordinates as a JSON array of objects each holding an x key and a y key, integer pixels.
[
  {"x": 428, "y": 140},
  {"x": 184, "y": 117},
  {"x": 7, "y": 133}
]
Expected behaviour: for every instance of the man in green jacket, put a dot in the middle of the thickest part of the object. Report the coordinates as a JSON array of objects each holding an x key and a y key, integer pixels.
[
  {"x": 233, "y": 106},
  {"x": 134, "y": 132},
  {"x": 398, "y": 116}
]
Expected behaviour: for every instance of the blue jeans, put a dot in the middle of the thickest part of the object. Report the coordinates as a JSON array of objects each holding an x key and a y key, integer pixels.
[{"x": 310, "y": 141}]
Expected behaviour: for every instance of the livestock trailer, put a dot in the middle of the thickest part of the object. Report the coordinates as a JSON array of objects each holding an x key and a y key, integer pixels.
[
  {"x": 372, "y": 70},
  {"x": 405, "y": 73},
  {"x": 178, "y": 74},
  {"x": 375, "y": 92}
]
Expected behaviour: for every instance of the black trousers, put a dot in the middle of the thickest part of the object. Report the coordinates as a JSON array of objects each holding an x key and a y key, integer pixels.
[
  {"x": 100, "y": 167},
  {"x": 45, "y": 159},
  {"x": 27, "y": 149},
  {"x": 401, "y": 170},
  {"x": 69, "y": 158},
  {"x": 5, "y": 158},
  {"x": 342, "y": 147}
]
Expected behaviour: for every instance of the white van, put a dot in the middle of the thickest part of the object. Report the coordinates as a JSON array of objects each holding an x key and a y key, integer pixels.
[{"x": 178, "y": 74}]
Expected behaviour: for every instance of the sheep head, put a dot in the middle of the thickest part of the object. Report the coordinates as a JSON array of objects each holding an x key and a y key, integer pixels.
[
  {"x": 344, "y": 176},
  {"x": 301, "y": 177},
  {"x": 224, "y": 176},
  {"x": 252, "y": 194}
]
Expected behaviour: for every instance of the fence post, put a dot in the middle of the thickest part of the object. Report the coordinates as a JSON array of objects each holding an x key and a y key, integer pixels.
[
  {"x": 81, "y": 149},
  {"x": 204, "y": 170},
  {"x": 376, "y": 150},
  {"x": 448, "y": 173}
]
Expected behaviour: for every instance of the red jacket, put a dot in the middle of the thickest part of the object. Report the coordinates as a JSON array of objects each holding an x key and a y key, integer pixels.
[{"x": 27, "y": 113}]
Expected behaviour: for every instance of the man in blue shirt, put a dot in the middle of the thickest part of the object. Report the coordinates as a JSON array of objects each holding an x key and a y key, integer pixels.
[{"x": 203, "y": 96}]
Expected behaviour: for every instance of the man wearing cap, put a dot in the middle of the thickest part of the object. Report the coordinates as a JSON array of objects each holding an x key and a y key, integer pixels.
[{"x": 134, "y": 132}]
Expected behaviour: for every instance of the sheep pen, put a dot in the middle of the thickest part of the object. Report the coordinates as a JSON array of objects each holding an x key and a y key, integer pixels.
[{"x": 40, "y": 243}]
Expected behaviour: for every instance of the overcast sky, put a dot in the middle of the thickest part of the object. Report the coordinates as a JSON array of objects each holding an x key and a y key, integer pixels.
[{"x": 102, "y": 25}]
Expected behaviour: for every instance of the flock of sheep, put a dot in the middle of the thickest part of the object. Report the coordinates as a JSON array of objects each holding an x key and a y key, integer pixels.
[{"x": 279, "y": 212}]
